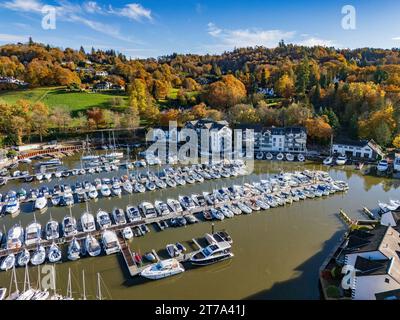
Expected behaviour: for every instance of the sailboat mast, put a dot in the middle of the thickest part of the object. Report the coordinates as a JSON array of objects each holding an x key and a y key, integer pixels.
[
  {"x": 69, "y": 287},
  {"x": 13, "y": 278},
  {"x": 38, "y": 279},
  {"x": 27, "y": 282},
  {"x": 99, "y": 297},
  {"x": 54, "y": 280},
  {"x": 84, "y": 286}
]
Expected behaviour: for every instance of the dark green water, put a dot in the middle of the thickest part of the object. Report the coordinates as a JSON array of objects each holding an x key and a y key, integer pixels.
[{"x": 277, "y": 252}]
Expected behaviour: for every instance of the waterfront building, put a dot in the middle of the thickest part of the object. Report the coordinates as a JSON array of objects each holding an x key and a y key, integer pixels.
[
  {"x": 358, "y": 149},
  {"x": 371, "y": 262},
  {"x": 375, "y": 277},
  {"x": 219, "y": 134},
  {"x": 280, "y": 139}
]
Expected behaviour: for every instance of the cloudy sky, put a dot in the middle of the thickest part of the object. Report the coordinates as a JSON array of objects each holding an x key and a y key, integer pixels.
[{"x": 152, "y": 28}]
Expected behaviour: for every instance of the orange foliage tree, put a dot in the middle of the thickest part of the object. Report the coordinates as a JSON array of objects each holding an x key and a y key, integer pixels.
[
  {"x": 318, "y": 128},
  {"x": 226, "y": 93}
]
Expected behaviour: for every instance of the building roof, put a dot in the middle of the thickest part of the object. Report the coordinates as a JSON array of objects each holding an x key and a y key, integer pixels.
[
  {"x": 353, "y": 143},
  {"x": 383, "y": 238},
  {"x": 207, "y": 124},
  {"x": 362, "y": 241},
  {"x": 367, "y": 267},
  {"x": 273, "y": 130}
]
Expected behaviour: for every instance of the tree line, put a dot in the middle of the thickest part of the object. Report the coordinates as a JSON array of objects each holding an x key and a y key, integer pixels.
[{"x": 355, "y": 93}]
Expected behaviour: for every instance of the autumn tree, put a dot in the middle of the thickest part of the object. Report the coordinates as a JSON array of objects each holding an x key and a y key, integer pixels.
[
  {"x": 379, "y": 125},
  {"x": 169, "y": 115},
  {"x": 284, "y": 87},
  {"x": 396, "y": 142},
  {"x": 226, "y": 93},
  {"x": 97, "y": 115},
  {"x": 243, "y": 113},
  {"x": 40, "y": 119},
  {"x": 318, "y": 128}
]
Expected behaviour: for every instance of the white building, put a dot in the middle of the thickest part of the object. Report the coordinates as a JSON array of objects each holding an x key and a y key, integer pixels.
[
  {"x": 101, "y": 73},
  {"x": 358, "y": 149},
  {"x": 373, "y": 277},
  {"x": 219, "y": 134},
  {"x": 372, "y": 263},
  {"x": 288, "y": 139}
]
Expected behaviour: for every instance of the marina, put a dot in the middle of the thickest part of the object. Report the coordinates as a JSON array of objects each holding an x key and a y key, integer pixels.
[{"x": 114, "y": 269}]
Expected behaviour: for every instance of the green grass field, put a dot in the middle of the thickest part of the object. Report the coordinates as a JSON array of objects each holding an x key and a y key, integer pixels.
[{"x": 58, "y": 97}]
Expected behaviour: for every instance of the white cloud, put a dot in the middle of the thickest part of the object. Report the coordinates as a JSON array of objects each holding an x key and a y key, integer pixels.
[
  {"x": 23, "y": 5},
  {"x": 396, "y": 38},
  {"x": 92, "y": 7},
  {"x": 71, "y": 12},
  {"x": 4, "y": 37},
  {"x": 248, "y": 37},
  {"x": 313, "y": 41},
  {"x": 133, "y": 11}
]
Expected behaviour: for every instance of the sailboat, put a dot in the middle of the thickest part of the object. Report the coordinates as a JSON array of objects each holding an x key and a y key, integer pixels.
[
  {"x": 74, "y": 250},
  {"x": 23, "y": 258},
  {"x": 92, "y": 246},
  {"x": 8, "y": 262},
  {"x": 38, "y": 256},
  {"x": 54, "y": 254},
  {"x": 88, "y": 156}
]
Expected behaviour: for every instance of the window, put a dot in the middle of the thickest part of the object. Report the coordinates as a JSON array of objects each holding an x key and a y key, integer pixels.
[{"x": 387, "y": 280}]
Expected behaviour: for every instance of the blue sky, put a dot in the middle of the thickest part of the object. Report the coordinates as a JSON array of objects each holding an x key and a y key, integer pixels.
[{"x": 151, "y": 28}]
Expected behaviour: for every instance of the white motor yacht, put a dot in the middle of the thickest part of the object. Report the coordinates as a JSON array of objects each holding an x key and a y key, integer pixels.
[
  {"x": 103, "y": 219},
  {"x": 110, "y": 242},
  {"x": 382, "y": 166},
  {"x": 40, "y": 202},
  {"x": 162, "y": 269},
  {"x": 15, "y": 237},
  {"x": 341, "y": 160},
  {"x": 33, "y": 233},
  {"x": 87, "y": 222},
  {"x": 215, "y": 252}
]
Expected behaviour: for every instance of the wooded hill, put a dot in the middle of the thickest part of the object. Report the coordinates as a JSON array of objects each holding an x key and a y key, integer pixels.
[{"x": 350, "y": 92}]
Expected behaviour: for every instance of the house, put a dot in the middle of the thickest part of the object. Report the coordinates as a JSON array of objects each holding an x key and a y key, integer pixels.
[
  {"x": 381, "y": 243},
  {"x": 371, "y": 263},
  {"x": 218, "y": 132},
  {"x": 12, "y": 80},
  {"x": 375, "y": 277},
  {"x": 104, "y": 85},
  {"x": 279, "y": 139},
  {"x": 358, "y": 149},
  {"x": 101, "y": 73}
]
